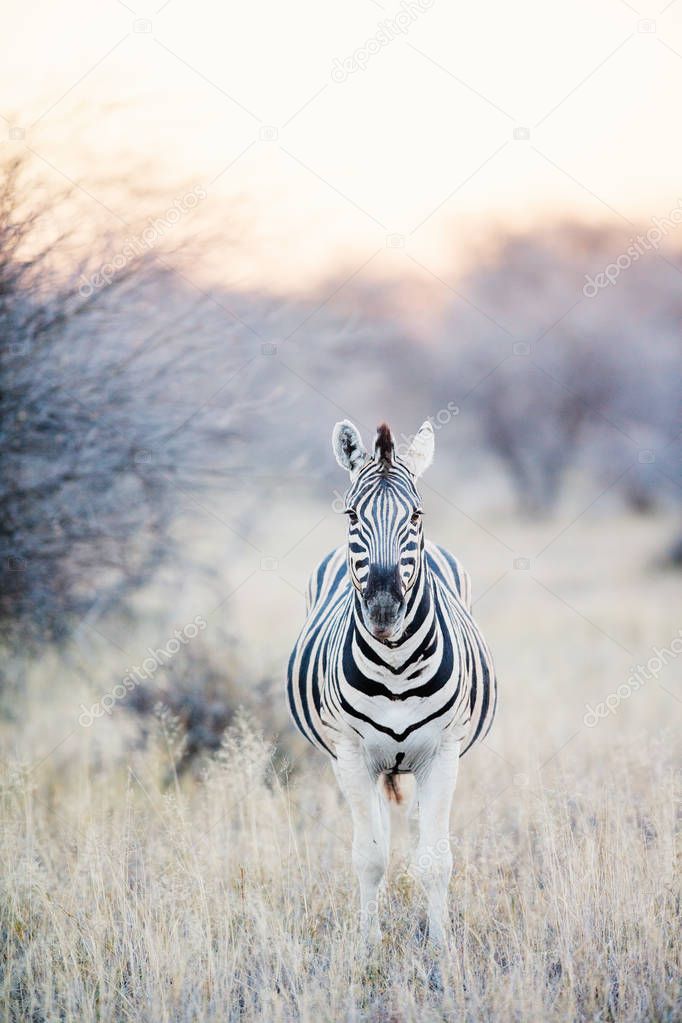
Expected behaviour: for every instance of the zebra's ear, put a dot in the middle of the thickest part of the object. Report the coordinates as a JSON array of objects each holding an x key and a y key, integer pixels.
[
  {"x": 419, "y": 455},
  {"x": 348, "y": 447}
]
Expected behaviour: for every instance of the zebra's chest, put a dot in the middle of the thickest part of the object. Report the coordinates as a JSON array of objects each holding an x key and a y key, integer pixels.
[{"x": 398, "y": 703}]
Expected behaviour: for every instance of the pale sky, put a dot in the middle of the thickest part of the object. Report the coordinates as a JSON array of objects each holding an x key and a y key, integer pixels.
[{"x": 398, "y": 168}]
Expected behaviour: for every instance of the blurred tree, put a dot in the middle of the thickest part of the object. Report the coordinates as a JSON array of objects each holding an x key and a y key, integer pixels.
[
  {"x": 94, "y": 437},
  {"x": 565, "y": 374}
]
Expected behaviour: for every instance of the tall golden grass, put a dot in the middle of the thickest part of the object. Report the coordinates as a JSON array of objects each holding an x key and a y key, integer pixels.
[{"x": 229, "y": 895}]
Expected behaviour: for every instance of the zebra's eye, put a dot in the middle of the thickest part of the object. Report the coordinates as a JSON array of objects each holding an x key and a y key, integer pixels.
[
  {"x": 352, "y": 517},
  {"x": 416, "y": 515}
]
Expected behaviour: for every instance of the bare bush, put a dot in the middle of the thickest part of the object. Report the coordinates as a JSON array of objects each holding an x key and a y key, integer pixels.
[
  {"x": 198, "y": 698},
  {"x": 95, "y": 437}
]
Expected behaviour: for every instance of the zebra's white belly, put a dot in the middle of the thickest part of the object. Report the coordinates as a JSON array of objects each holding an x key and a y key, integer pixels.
[
  {"x": 400, "y": 751},
  {"x": 384, "y": 753}
]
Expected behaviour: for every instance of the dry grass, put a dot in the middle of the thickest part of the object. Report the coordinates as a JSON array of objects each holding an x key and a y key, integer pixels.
[{"x": 231, "y": 896}]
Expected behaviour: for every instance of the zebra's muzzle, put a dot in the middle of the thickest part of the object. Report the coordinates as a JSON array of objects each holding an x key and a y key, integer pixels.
[{"x": 383, "y": 602}]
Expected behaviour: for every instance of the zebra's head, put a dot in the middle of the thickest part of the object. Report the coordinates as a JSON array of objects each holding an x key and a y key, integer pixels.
[{"x": 384, "y": 510}]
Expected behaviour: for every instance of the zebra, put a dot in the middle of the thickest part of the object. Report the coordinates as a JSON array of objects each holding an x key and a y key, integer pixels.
[{"x": 390, "y": 676}]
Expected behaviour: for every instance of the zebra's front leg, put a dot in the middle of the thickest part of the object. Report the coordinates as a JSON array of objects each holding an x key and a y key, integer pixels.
[
  {"x": 370, "y": 831},
  {"x": 433, "y": 859}
]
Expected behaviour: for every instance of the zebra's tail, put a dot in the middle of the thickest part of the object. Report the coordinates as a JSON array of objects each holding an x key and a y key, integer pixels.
[{"x": 398, "y": 789}]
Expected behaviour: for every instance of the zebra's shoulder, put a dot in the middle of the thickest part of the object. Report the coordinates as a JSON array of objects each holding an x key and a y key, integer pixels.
[
  {"x": 327, "y": 578},
  {"x": 450, "y": 571}
]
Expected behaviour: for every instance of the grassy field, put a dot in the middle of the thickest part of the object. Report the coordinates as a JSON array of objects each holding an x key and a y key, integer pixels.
[{"x": 129, "y": 894}]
